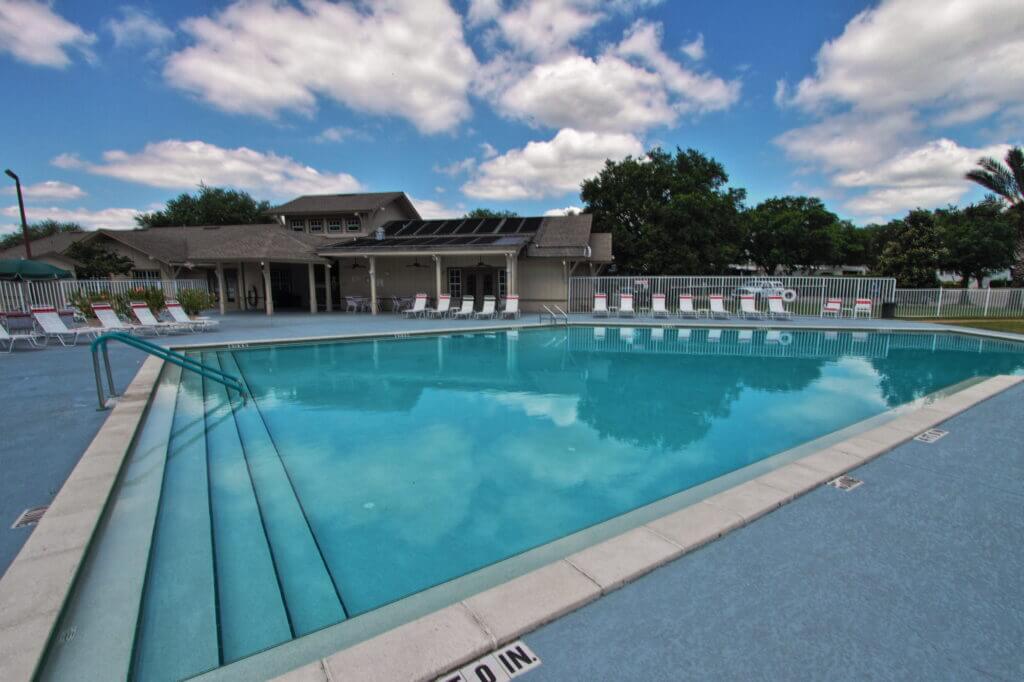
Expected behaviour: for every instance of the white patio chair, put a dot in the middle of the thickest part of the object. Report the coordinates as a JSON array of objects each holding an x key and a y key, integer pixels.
[
  {"x": 717, "y": 306},
  {"x": 110, "y": 321},
  {"x": 686, "y": 306},
  {"x": 487, "y": 310},
  {"x": 31, "y": 338},
  {"x": 54, "y": 328},
  {"x": 511, "y": 308},
  {"x": 833, "y": 307},
  {"x": 626, "y": 305},
  {"x": 444, "y": 306},
  {"x": 179, "y": 315},
  {"x": 748, "y": 307},
  {"x": 777, "y": 309},
  {"x": 658, "y": 308},
  {"x": 862, "y": 306},
  {"x": 419, "y": 307},
  {"x": 600, "y": 305},
  {"x": 465, "y": 312},
  {"x": 146, "y": 318}
]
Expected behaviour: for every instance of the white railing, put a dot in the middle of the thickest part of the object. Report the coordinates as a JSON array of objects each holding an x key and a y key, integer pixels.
[
  {"x": 959, "y": 303},
  {"x": 57, "y": 292},
  {"x": 804, "y": 295}
]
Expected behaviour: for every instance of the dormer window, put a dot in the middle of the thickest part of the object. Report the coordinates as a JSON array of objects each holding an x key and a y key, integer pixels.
[
  {"x": 297, "y": 225},
  {"x": 334, "y": 225},
  {"x": 316, "y": 225},
  {"x": 352, "y": 224}
]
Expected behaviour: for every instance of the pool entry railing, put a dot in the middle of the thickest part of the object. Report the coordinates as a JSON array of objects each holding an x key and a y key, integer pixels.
[
  {"x": 165, "y": 354},
  {"x": 555, "y": 314}
]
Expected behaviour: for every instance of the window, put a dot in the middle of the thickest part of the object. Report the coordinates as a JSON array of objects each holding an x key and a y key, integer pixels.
[
  {"x": 297, "y": 224},
  {"x": 352, "y": 224},
  {"x": 334, "y": 225},
  {"x": 502, "y": 283},
  {"x": 316, "y": 225},
  {"x": 145, "y": 274},
  {"x": 455, "y": 282}
]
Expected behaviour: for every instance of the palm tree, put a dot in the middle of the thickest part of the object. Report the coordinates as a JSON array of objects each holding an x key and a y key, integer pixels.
[{"x": 1007, "y": 182}]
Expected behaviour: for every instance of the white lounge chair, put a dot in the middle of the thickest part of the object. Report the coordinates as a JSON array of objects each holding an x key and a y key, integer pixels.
[
  {"x": 626, "y": 305},
  {"x": 487, "y": 309},
  {"x": 419, "y": 307},
  {"x": 748, "y": 307},
  {"x": 444, "y": 307},
  {"x": 466, "y": 311},
  {"x": 511, "y": 308},
  {"x": 718, "y": 306},
  {"x": 862, "y": 306},
  {"x": 833, "y": 307},
  {"x": 686, "y": 306},
  {"x": 31, "y": 338},
  {"x": 146, "y": 318},
  {"x": 179, "y": 315},
  {"x": 658, "y": 308},
  {"x": 600, "y": 305},
  {"x": 110, "y": 320},
  {"x": 54, "y": 328},
  {"x": 777, "y": 309}
]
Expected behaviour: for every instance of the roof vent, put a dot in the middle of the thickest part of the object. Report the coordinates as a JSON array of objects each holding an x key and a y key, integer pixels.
[{"x": 378, "y": 234}]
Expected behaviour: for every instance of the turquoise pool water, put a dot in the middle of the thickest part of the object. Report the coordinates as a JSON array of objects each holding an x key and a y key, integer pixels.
[{"x": 362, "y": 472}]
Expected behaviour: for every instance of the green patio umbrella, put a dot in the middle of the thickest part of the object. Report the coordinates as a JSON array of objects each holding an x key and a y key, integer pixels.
[{"x": 21, "y": 269}]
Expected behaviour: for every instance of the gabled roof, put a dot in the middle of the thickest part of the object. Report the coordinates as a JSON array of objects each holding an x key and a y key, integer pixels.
[
  {"x": 312, "y": 204},
  {"x": 179, "y": 245},
  {"x": 55, "y": 244}
]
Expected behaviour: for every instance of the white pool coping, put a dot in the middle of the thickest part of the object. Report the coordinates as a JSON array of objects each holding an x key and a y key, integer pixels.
[{"x": 39, "y": 581}]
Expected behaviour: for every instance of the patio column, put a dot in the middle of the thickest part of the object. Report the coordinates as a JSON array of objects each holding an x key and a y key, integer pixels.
[
  {"x": 221, "y": 289},
  {"x": 327, "y": 283},
  {"x": 437, "y": 277},
  {"x": 511, "y": 285},
  {"x": 240, "y": 286},
  {"x": 373, "y": 285},
  {"x": 267, "y": 291},
  {"x": 312, "y": 287}
]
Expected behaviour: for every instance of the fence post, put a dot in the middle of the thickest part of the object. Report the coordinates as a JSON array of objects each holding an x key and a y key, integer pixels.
[
  {"x": 988, "y": 296},
  {"x": 938, "y": 307}
]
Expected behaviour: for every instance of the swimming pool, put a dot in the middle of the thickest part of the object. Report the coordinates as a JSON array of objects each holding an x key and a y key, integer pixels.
[{"x": 362, "y": 472}]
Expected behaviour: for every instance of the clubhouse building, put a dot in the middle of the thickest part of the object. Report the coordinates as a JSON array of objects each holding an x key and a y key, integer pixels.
[{"x": 325, "y": 252}]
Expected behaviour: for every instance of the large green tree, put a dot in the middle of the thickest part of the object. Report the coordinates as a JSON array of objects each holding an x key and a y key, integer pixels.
[
  {"x": 914, "y": 251},
  {"x": 668, "y": 213},
  {"x": 1007, "y": 182},
  {"x": 978, "y": 239},
  {"x": 490, "y": 213},
  {"x": 790, "y": 232},
  {"x": 38, "y": 230},
  {"x": 208, "y": 206},
  {"x": 95, "y": 261}
]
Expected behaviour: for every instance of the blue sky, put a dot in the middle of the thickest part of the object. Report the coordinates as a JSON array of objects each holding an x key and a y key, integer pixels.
[{"x": 875, "y": 107}]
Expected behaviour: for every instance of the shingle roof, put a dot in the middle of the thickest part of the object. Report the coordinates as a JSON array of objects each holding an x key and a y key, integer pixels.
[
  {"x": 54, "y": 244},
  {"x": 339, "y": 203},
  {"x": 268, "y": 241}
]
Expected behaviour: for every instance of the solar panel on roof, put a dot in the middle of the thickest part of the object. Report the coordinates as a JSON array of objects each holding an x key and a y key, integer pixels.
[
  {"x": 488, "y": 226},
  {"x": 410, "y": 228},
  {"x": 490, "y": 239},
  {"x": 429, "y": 227},
  {"x": 530, "y": 224},
  {"x": 468, "y": 226},
  {"x": 390, "y": 229},
  {"x": 510, "y": 226},
  {"x": 448, "y": 227}
]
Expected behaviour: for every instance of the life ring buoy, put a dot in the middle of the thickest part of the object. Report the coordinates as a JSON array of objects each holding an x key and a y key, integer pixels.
[
  {"x": 789, "y": 295},
  {"x": 253, "y": 297}
]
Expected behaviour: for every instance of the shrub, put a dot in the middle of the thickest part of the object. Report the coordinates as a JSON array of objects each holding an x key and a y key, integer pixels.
[
  {"x": 83, "y": 300},
  {"x": 152, "y": 296},
  {"x": 195, "y": 301}
]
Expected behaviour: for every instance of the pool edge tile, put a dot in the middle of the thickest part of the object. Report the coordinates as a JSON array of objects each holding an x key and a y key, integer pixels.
[
  {"x": 697, "y": 525},
  {"x": 751, "y": 500},
  {"x": 624, "y": 558}
]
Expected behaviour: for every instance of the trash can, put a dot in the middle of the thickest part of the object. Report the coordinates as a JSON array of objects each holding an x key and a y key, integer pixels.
[{"x": 889, "y": 310}]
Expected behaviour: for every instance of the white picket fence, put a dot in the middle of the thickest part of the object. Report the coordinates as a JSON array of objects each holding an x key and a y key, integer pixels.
[
  {"x": 15, "y": 296},
  {"x": 959, "y": 303},
  {"x": 804, "y": 295}
]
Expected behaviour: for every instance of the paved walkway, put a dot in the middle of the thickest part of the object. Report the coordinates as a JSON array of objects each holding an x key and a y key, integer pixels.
[{"x": 916, "y": 574}]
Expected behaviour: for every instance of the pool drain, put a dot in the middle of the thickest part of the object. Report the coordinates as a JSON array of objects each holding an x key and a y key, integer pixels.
[
  {"x": 845, "y": 483},
  {"x": 930, "y": 436},
  {"x": 29, "y": 517}
]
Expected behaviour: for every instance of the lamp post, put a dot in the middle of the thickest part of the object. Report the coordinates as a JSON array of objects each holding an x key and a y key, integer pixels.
[{"x": 21, "y": 207}]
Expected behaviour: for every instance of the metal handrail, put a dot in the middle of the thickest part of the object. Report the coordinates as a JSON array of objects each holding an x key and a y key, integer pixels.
[
  {"x": 165, "y": 354},
  {"x": 554, "y": 314}
]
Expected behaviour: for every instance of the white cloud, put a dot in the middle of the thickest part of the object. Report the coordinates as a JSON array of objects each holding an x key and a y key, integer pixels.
[
  {"x": 488, "y": 150},
  {"x": 50, "y": 189},
  {"x": 694, "y": 49},
  {"x": 334, "y": 134},
  {"x": 849, "y": 140},
  {"x": 482, "y": 11},
  {"x": 949, "y": 54},
  {"x": 33, "y": 33},
  {"x": 568, "y": 210},
  {"x": 109, "y": 218},
  {"x": 939, "y": 162},
  {"x": 429, "y": 208},
  {"x": 889, "y": 201},
  {"x": 550, "y": 168},
  {"x": 544, "y": 27},
  {"x": 181, "y": 165},
  {"x": 68, "y": 161},
  {"x": 405, "y": 58},
  {"x": 456, "y": 167},
  {"x": 136, "y": 27}
]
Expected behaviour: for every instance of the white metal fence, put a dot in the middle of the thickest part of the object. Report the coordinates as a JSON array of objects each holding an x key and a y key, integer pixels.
[
  {"x": 959, "y": 303},
  {"x": 57, "y": 292},
  {"x": 804, "y": 295}
]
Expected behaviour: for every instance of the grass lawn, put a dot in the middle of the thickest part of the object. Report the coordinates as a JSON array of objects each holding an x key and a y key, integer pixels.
[{"x": 1015, "y": 326}]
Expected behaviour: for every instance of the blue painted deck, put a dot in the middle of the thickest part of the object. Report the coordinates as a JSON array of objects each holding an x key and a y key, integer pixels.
[{"x": 916, "y": 574}]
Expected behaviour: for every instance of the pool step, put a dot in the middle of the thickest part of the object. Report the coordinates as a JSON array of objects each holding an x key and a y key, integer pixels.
[
  {"x": 310, "y": 594},
  {"x": 251, "y": 608}
]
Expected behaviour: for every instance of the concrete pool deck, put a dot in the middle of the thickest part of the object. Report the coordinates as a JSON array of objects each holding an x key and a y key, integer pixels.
[{"x": 248, "y": 328}]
